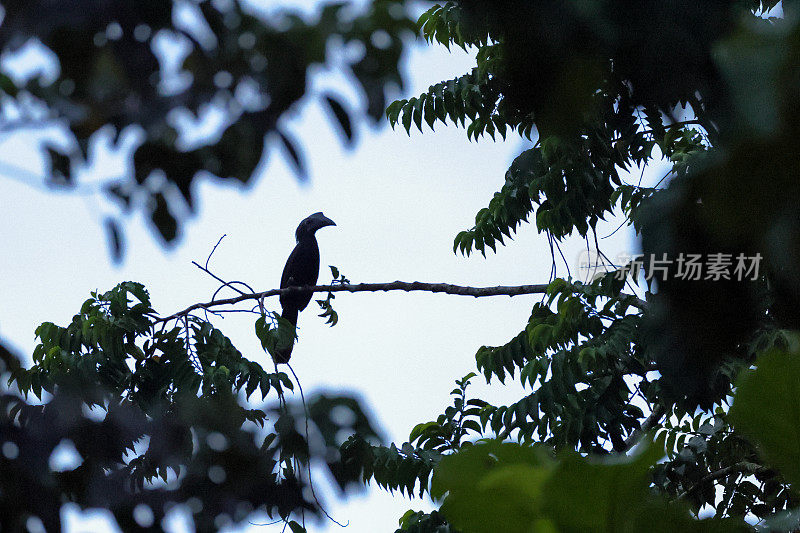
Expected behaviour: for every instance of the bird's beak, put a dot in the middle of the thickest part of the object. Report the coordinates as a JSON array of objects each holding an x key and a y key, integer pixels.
[{"x": 325, "y": 221}]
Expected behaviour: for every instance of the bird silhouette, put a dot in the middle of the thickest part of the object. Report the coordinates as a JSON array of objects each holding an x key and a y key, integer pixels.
[{"x": 302, "y": 269}]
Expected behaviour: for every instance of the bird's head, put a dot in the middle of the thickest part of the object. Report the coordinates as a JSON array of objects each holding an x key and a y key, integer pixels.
[{"x": 311, "y": 224}]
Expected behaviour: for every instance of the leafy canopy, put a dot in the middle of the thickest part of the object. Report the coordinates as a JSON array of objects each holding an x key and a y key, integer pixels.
[{"x": 706, "y": 365}]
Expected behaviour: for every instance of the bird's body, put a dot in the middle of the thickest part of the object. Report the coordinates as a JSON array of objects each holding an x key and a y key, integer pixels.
[{"x": 302, "y": 269}]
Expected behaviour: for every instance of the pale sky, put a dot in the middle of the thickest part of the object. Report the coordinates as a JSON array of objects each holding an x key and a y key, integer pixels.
[{"x": 398, "y": 202}]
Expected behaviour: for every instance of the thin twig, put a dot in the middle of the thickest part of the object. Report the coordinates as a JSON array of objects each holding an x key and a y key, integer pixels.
[
  {"x": 553, "y": 269},
  {"x": 229, "y": 284},
  {"x": 214, "y": 249},
  {"x": 626, "y": 221},
  {"x": 224, "y": 283},
  {"x": 308, "y": 446},
  {"x": 566, "y": 264},
  {"x": 606, "y": 258}
]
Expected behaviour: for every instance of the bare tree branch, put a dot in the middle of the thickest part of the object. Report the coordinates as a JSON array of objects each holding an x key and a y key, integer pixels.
[
  {"x": 446, "y": 288},
  {"x": 414, "y": 286}
]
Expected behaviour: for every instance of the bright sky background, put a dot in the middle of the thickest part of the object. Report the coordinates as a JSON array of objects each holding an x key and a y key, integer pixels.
[{"x": 398, "y": 202}]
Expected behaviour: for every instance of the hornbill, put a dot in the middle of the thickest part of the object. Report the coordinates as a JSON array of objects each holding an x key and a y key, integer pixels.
[{"x": 302, "y": 268}]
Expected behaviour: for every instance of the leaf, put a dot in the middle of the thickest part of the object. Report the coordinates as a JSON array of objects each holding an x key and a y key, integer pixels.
[
  {"x": 616, "y": 493},
  {"x": 408, "y": 111},
  {"x": 164, "y": 221},
  {"x": 418, "y": 110},
  {"x": 60, "y": 167},
  {"x": 472, "y": 425},
  {"x": 406, "y": 518},
  {"x": 420, "y": 429},
  {"x": 294, "y": 155},
  {"x": 114, "y": 239},
  {"x": 429, "y": 113},
  {"x": 342, "y": 118},
  {"x": 328, "y": 312},
  {"x": 766, "y": 409},
  {"x": 285, "y": 380},
  {"x": 492, "y": 487},
  {"x": 252, "y": 385},
  {"x": 296, "y": 528},
  {"x": 605, "y": 493},
  {"x": 7, "y": 86},
  {"x": 394, "y": 110},
  {"x": 784, "y": 521}
]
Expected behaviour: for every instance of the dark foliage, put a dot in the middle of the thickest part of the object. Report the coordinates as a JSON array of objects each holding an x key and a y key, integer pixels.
[
  {"x": 604, "y": 88},
  {"x": 156, "y": 416},
  {"x": 112, "y": 76}
]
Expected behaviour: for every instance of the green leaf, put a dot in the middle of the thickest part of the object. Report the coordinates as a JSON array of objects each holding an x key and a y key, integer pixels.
[
  {"x": 472, "y": 425},
  {"x": 296, "y": 528},
  {"x": 766, "y": 409},
  {"x": 252, "y": 385},
  {"x": 421, "y": 429},
  {"x": 492, "y": 486},
  {"x": 605, "y": 493},
  {"x": 408, "y": 111},
  {"x": 285, "y": 380},
  {"x": 418, "y": 110},
  {"x": 7, "y": 85}
]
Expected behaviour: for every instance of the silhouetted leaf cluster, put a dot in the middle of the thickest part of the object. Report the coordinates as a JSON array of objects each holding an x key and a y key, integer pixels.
[
  {"x": 251, "y": 66},
  {"x": 604, "y": 89},
  {"x": 158, "y": 418}
]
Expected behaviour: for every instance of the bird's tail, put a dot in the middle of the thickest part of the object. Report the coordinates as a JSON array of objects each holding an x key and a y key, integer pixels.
[
  {"x": 290, "y": 314},
  {"x": 283, "y": 354}
]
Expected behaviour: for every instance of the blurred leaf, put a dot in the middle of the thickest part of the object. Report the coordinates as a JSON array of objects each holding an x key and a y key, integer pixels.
[
  {"x": 294, "y": 155},
  {"x": 7, "y": 85},
  {"x": 164, "y": 221},
  {"x": 342, "y": 118},
  {"x": 115, "y": 239},
  {"x": 60, "y": 172},
  {"x": 766, "y": 408},
  {"x": 492, "y": 487}
]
